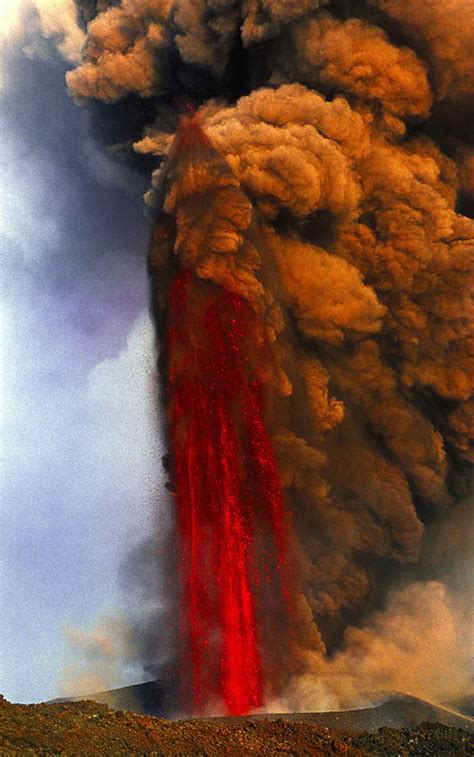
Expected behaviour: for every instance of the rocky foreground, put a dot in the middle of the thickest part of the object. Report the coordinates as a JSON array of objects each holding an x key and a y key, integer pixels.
[{"x": 88, "y": 728}]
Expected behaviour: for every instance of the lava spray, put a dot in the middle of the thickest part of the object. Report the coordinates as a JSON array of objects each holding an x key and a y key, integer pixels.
[{"x": 231, "y": 516}]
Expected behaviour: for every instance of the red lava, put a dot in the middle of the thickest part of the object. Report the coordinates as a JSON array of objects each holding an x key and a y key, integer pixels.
[{"x": 227, "y": 485}]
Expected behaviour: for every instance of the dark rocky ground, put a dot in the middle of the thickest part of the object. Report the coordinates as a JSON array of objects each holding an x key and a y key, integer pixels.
[{"x": 86, "y": 728}]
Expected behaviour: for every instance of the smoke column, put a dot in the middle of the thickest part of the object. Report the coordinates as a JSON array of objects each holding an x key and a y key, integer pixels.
[{"x": 311, "y": 261}]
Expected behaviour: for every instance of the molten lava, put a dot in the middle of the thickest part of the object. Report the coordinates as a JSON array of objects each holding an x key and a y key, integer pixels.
[{"x": 227, "y": 488}]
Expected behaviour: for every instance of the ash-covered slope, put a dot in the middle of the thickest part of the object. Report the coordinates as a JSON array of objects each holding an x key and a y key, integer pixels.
[
  {"x": 397, "y": 711},
  {"x": 148, "y": 698},
  {"x": 394, "y": 710}
]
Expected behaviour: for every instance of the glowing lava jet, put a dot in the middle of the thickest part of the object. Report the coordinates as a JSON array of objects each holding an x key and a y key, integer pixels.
[{"x": 226, "y": 482}]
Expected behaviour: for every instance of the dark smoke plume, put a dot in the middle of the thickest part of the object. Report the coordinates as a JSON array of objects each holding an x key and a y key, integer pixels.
[{"x": 346, "y": 129}]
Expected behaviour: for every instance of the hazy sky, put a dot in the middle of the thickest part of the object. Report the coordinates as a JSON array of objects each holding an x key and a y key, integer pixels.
[{"x": 80, "y": 458}]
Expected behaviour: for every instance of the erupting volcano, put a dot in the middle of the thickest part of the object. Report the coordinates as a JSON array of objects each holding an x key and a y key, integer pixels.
[{"x": 310, "y": 257}]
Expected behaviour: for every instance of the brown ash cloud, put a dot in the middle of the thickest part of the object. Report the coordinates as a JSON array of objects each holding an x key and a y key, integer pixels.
[{"x": 339, "y": 193}]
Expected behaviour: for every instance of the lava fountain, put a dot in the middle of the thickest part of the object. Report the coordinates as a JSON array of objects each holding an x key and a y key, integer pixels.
[{"x": 227, "y": 486}]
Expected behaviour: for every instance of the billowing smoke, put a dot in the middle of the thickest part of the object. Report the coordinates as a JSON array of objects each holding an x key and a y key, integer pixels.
[
  {"x": 93, "y": 658},
  {"x": 332, "y": 191}
]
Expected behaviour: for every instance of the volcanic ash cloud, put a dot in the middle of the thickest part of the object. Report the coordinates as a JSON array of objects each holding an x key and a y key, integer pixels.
[{"x": 325, "y": 194}]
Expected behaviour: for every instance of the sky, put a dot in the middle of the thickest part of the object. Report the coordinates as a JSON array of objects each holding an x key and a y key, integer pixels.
[{"x": 80, "y": 456}]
